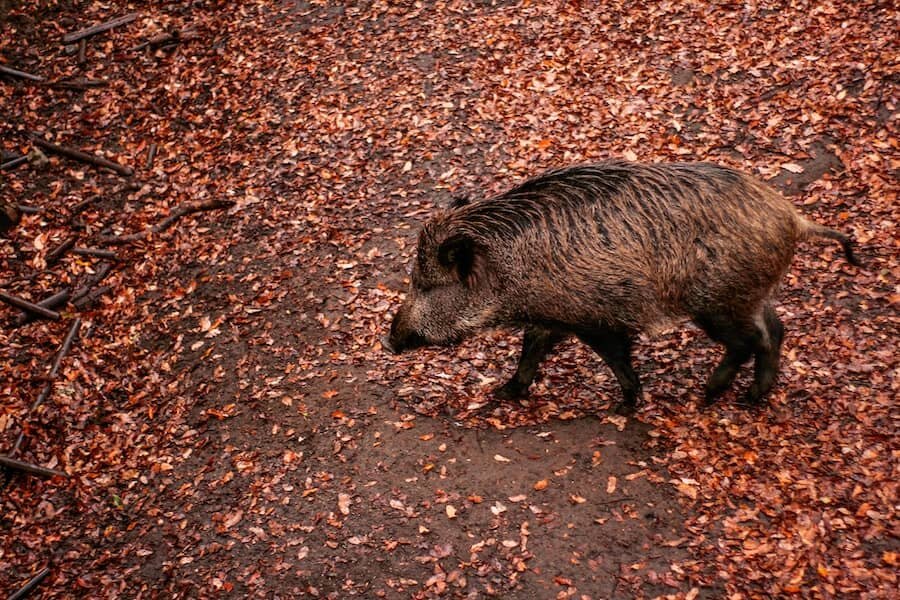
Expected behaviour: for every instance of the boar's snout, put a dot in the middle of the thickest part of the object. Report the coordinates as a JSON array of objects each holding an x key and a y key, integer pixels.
[{"x": 402, "y": 338}]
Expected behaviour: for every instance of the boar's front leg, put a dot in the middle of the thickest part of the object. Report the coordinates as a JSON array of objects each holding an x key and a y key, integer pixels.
[
  {"x": 614, "y": 347},
  {"x": 537, "y": 343}
]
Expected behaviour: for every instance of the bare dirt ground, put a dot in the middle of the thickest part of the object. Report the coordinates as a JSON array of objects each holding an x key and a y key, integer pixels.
[{"x": 229, "y": 421}]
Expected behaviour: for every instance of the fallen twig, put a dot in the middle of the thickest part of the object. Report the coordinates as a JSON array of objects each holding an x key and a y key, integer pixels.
[
  {"x": 91, "y": 297},
  {"x": 99, "y": 28},
  {"x": 614, "y": 501},
  {"x": 30, "y": 307},
  {"x": 12, "y": 463},
  {"x": 151, "y": 154},
  {"x": 54, "y": 369},
  {"x": 20, "y": 74},
  {"x": 82, "y": 50},
  {"x": 83, "y": 290},
  {"x": 85, "y": 203},
  {"x": 95, "y": 252},
  {"x": 131, "y": 186},
  {"x": 84, "y": 157},
  {"x": 169, "y": 37},
  {"x": 77, "y": 84},
  {"x": 67, "y": 244},
  {"x": 54, "y": 301},
  {"x": 26, "y": 589},
  {"x": 13, "y": 163},
  {"x": 177, "y": 213}
]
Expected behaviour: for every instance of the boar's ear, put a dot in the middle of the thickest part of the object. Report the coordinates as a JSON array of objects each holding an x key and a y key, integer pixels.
[
  {"x": 457, "y": 253},
  {"x": 458, "y": 201}
]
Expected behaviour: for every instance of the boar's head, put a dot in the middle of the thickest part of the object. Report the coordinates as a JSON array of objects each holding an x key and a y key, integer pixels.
[{"x": 450, "y": 296}]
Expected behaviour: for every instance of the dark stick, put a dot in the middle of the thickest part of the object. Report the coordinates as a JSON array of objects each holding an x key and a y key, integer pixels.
[
  {"x": 67, "y": 244},
  {"x": 614, "y": 501},
  {"x": 48, "y": 387},
  {"x": 84, "y": 204},
  {"x": 12, "y": 463},
  {"x": 20, "y": 74},
  {"x": 92, "y": 297},
  {"x": 82, "y": 49},
  {"x": 26, "y": 589},
  {"x": 29, "y": 306},
  {"x": 95, "y": 252},
  {"x": 78, "y": 84},
  {"x": 102, "y": 271},
  {"x": 131, "y": 186},
  {"x": 28, "y": 210},
  {"x": 172, "y": 37},
  {"x": 151, "y": 154},
  {"x": 100, "y": 28},
  {"x": 57, "y": 299},
  {"x": 15, "y": 162},
  {"x": 83, "y": 157},
  {"x": 177, "y": 213}
]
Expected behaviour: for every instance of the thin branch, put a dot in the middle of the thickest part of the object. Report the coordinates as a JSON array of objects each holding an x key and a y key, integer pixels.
[
  {"x": 54, "y": 369},
  {"x": 20, "y": 74},
  {"x": 57, "y": 253},
  {"x": 131, "y": 186},
  {"x": 13, "y": 163},
  {"x": 95, "y": 253},
  {"x": 54, "y": 301},
  {"x": 171, "y": 37},
  {"x": 179, "y": 211},
  {"x": 19, "y": 465},
  {"x": 151, "y": 154},
  {"x": 77, "y": 84},
  {"x": 91, "y": 297},
  {"x": 100, "y": 28},
  {"x": 83, "y": 290},
  {"x": 30, "y": 307},
  {"x": 83, "y": 157},
  {"x": 29, "y": 587}
]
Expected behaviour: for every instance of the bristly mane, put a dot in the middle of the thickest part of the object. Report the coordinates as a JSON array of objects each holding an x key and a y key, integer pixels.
[{"x": 613, "y": 186}]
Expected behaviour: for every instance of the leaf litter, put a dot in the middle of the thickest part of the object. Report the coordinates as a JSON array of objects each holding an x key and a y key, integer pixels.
[{"x": 231, "y": 424}]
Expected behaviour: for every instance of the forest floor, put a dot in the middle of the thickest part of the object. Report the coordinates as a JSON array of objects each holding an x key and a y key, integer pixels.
[{"x": 228, "y": 420}]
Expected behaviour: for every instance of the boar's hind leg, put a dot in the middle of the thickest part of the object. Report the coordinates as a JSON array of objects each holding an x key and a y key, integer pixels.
[
  {"x": 614, "y": 347},
  {"x": 537, "y": 343},
  {"x": 767, "y": 357},
  {"x": 758, "y": 337}
]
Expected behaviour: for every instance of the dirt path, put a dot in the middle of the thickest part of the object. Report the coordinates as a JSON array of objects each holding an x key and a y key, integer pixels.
[
  {"x": 303, "y": 475},
  {"x": 235, "y": 429}
]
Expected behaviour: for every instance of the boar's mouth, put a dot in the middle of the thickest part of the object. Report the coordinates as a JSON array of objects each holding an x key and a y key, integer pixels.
[
  {"x": 397, "y": 343},
  {"x": 402, "y": 339}
]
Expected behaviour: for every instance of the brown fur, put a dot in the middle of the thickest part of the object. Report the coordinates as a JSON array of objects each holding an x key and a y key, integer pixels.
[{"x": 612, "y": 248}]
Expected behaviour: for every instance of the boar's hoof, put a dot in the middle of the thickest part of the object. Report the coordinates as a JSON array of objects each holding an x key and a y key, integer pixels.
[
  {"x": 754, "y": 398},
  {"x": 710, "y": 398},
  {"x": 511, "y": 390},
  {"x": 624, "y": 409}
]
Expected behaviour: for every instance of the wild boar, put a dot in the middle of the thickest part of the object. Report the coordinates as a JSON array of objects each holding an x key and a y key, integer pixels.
[{"x": 605, "y": 251}]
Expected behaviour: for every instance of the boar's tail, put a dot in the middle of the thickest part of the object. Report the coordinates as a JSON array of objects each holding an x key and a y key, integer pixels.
[{"x": 810, "y": 229}]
